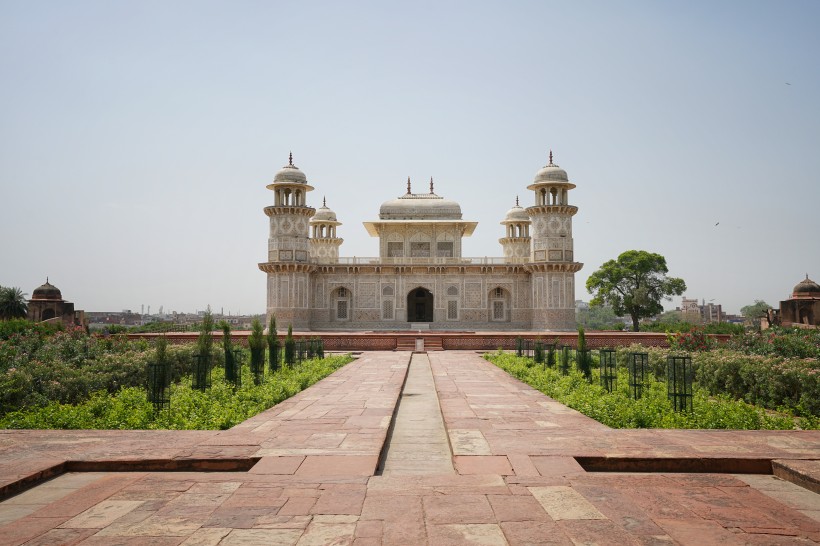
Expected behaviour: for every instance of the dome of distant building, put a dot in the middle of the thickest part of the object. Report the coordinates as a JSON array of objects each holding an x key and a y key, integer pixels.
[
  {"x": 47, "y": 291},
  {"x": 420, "y": 206},
  {"x": 806, "y": 288},
  {"x": 290, "y": 174}
]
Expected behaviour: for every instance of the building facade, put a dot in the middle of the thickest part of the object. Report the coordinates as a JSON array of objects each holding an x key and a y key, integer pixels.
[
  {"x": 420, "y": 279},
  {"x": 802, "y": 309},
  {"x": 47, "y": 305}
]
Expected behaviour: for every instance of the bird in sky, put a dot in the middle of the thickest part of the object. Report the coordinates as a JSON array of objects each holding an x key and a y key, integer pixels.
[{"x": 717, "y": 223}]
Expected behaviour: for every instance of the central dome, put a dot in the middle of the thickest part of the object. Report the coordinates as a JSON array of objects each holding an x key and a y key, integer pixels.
[
  {"x": 428, "y": 206},
  {"x": 420, "y": 206}
]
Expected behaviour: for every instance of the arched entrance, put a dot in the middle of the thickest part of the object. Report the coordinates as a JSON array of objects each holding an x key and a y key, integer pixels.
[
  {"x": 48, "y": 314},
  {"x": 420, "y": 305}
]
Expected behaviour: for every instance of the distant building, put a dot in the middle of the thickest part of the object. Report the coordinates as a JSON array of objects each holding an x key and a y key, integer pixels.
[
  {"x": 701, "y": 313},
  {"x": 803, "y": 308},
  {"x": 122, "y": 318},
  {"x": 690, "y": 308},
  {"x": 47, "y": 305}
]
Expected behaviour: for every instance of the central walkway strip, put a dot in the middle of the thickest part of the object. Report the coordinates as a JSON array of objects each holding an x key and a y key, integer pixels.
[{"x": 418, "y": 443}]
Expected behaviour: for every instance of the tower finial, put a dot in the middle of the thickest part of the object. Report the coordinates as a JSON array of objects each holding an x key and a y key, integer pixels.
[
  {"x": 516, "y": 201},
  {"x": 324, "y": 201},
  {"x": 290, "y": 159},
  {"x": 408, "y": 186},
  {"x": 550, "y": 157},
  {"x": 431, "y": 185}
]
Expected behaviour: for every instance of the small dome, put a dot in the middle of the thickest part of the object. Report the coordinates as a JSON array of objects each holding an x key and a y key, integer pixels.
[
  {"x": 47, "y": 292},
  {"x": 323, "y": 214},
  {"x": 807, "y": 287},
  {"x": 516, "y": 214},
  {"x": 551, "y": 173},
  {"x": 290, "y": 174}
]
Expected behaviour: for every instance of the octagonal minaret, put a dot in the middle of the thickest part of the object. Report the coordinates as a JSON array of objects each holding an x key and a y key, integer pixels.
[
  {"x": 552, "y": 253},
  {"x": 324, "y": 244},
  {"x": 288, "y": 266},
  {"x": 516, "y": 243}
]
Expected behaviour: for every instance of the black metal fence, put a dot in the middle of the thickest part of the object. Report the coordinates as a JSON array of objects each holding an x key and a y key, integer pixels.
[
  {"x": 159, "y": 385},
  {"x": 201, "y": 379},
  {"x": 637, "y": 364},
  {"x": 679, "y": 369},
  {"x": 679, "y": 375},
  {"x": 608, "y": 369},
  {"x": 233, "y": 367}
]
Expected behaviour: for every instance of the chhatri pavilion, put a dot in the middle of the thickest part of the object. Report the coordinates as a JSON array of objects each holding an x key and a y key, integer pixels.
[{"x": 420, "y": 278}]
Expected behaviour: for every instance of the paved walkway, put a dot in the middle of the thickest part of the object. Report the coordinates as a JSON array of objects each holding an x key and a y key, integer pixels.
[
  {"x": 304, "y": 473},
  {"x": 418, "y": 443}
]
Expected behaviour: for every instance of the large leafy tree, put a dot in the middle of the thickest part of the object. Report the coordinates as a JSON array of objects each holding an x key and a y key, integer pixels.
[
  {"x": 754, "y": 312},
  {"x": 635, "y": 284},
  {"x": 12, "y": 303}
]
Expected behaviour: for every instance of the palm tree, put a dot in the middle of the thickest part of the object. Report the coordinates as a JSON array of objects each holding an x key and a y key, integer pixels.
[{"x": 12, "y": 303}]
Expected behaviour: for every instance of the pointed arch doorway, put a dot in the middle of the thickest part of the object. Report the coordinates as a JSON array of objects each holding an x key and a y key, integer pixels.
[{"x": 420, "y": 305}]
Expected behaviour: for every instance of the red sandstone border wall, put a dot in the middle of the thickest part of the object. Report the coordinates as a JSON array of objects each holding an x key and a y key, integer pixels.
[{"x": 475, "y": 341}]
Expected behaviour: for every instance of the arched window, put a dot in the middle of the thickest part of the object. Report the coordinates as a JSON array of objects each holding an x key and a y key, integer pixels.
[
  {"x": 388, "y": 303},
  {"x": 341, "y": 304},
  {"x": 499, "y": 302}
]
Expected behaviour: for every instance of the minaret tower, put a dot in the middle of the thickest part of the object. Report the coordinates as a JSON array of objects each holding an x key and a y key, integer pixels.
[
  {"x": 288, "y": 266},
  {"x": 552, "y": 255},
  {"x": 516, "y": 243},
  {"x": 324, "y": 245}
]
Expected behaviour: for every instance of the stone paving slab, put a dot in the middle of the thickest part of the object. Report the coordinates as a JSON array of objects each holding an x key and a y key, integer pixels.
[{"x": 516, "y": 480}]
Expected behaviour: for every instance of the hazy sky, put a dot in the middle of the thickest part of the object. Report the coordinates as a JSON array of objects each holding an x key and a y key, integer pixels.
[{"x": 136, "y": 138}]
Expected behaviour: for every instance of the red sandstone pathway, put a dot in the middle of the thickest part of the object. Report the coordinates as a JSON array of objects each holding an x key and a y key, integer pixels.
[{"x": 312, "y": 461}]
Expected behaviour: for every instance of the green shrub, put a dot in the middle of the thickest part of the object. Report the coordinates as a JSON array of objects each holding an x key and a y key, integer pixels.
[
  {"x": 652, "y": 410},
  {"x": 220, "y": 407}
]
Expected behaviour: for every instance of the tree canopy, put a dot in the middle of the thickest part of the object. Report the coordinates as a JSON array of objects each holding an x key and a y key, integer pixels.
[
  {"x": 754, "y": 312},
  {"x": 599, "y": 317},
  {"x": 635, "y": 284},
  {"x": 12, "y": 303}
]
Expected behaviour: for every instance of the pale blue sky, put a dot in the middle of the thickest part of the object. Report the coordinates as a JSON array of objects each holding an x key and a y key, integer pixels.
[{"x": 136, "y": 138}]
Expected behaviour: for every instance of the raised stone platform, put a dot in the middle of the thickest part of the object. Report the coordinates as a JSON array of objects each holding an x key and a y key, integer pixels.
[{"x": 527, "y": 471}]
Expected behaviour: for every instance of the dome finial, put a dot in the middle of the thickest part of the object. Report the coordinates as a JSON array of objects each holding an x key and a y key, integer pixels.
[
  {"x": 516, "y": 201},
  {"x": 324, "y": 201},
  {"x": 290, "y": 159},
  {"x": 408, "y": 186},
  {"x": 431, "y": 185},
  {"x": 551, "y": 157}
]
